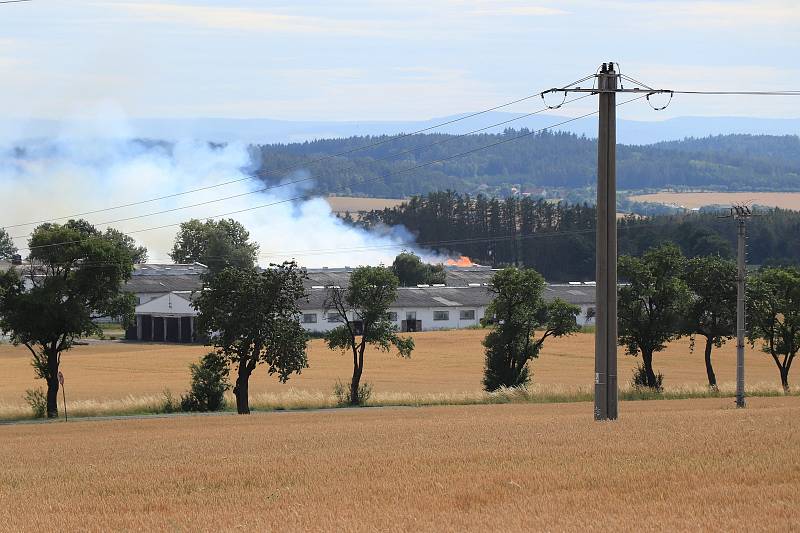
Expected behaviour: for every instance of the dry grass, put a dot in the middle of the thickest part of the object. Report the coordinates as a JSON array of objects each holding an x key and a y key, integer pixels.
[
  {"x": 446, "y": 367},
  {"x": 785, "y": 200},
  {"x": 670, "y": 466},
  {"x": 341, "y": 204}
]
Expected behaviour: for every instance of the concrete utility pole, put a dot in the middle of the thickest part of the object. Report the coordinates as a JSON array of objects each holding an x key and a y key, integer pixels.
[
  {"x": 605, "y": 340},
  {"x": 740, "y": 213},
  {"x": 605, "y": 354}
]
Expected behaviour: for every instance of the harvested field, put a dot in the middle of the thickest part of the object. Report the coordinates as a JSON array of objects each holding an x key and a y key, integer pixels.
[
  {"x": 671, "y": 465},
  {"x": 445, "y": 365},
  {"x": 341, "y": 204},
  {"x": 690, "y": 200}
]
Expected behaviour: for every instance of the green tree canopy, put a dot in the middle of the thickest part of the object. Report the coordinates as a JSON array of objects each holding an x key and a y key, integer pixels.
[
  {"x": 252, "y": 318},
  {"x": 773, "y": 302},
  {"x": 76, "y": 273},
  {"x": 519, "y": 310},
  {"x": 214, "y": 243},
  {"x": 7, "y": 248},
  {"x": 711, "y": 312},
  {"x": 362, "y": 309},
  {"x": 652, "y": 303},
  {"x": 138, "y": 253},
  {"x": 411, "y": 271}
]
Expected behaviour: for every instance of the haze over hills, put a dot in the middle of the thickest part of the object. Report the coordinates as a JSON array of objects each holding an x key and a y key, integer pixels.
[{"x": 268, "y": 131}]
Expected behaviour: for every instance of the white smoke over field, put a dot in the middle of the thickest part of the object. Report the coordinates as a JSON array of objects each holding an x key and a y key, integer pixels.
[{"x": 83, "y": 171}]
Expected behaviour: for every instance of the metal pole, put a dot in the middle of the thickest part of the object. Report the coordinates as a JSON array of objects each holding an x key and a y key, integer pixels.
[
  {"x": 740, "y": 295},
  {"x": 605, "y": 389}
]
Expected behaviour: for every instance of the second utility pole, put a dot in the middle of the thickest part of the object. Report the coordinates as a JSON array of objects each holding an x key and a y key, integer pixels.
[{"x": 605, "y": 364}]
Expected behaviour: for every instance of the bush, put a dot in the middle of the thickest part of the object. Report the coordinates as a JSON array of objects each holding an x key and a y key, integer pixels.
[
  {"x": 341, "y": 392},
  {"x": 209, "y": 383},
  {"x": 639, "y": 380},
  {"x": 38, "y": 402},
  {"x": 168, "y": 404}
]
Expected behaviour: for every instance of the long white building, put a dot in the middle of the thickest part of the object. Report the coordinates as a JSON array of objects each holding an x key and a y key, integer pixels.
[{"x": 167, "y": 315}]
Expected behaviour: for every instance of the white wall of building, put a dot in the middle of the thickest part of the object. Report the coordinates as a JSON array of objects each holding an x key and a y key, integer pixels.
[{"x": 453, "y": 319}]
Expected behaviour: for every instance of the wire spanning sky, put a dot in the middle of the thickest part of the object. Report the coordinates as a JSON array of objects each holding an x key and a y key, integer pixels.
[{"x": 393, "y": 59}]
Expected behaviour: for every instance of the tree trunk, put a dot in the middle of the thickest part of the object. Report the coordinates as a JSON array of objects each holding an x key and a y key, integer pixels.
[
  {"x": 354, "y": 384},
  {"x": 712, "y": 378},
  {"x": 52, "y": 385},
  {"x": 52, "y": 396},
  {"x": 785, "y": 379},
  {"x": 647, "y": 359},
  {"x": 240, "y": 390}
]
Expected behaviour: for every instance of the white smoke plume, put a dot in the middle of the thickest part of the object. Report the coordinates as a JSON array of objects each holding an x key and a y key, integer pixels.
[{"x": 86, "y": 169}]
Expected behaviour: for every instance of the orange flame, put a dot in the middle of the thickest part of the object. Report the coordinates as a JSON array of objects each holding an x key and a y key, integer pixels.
[{"x": 462, "y": 261}]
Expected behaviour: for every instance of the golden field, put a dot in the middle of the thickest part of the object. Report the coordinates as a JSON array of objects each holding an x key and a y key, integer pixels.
[
  {"x": 341, "y": 204},
  {"x": 690, "y": 200},
  {"x": 448, "y": 365},
  {"x": 668, "y": 466}
]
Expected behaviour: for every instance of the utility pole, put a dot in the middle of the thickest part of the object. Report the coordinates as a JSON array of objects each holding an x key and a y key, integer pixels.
[
  {"x": 608, "y": 84},
  {"x": 605, "y": 340},
  {"x": 740, "y": 213}
]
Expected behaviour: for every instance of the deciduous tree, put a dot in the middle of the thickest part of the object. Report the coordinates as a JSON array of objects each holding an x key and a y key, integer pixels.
[
  {"x": 7, "y": 248},
  {"x": 519, "y": 310},
  {"x": 652, "y": 302},
  {"x": 362, "y": 309},
  {"x": 76, "y": 274},
  {"x": 711, "y": 312},
  {"x": 773, "y": 302},
  {"x": 411, "y": 271},
  {"x": 252, "y": 318},
  {"x": 214, "y": 243}
]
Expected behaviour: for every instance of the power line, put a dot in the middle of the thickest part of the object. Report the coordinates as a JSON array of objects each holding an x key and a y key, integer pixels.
[
  {"x": 742, "y": 93},
  {"x": 422, "y": 165},
  {"x": 283, "y": 184},
  {"x": 265, "y": 172},
  {"x": 13, "y": 1}
]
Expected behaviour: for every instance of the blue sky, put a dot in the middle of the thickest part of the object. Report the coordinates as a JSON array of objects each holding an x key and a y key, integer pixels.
[{"x": 392, "y": 59}]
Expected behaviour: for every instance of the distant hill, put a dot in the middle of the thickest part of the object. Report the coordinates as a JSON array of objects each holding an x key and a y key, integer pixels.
[
  {"x": 545, "y": 160},
  {"x": 268, "y": 131}
]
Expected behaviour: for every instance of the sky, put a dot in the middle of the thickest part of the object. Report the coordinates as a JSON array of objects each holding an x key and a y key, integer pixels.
[{"x": 384, "y": 60}]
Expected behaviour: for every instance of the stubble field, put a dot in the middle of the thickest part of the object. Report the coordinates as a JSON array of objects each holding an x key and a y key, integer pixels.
[
  {"x": 664, "y": 466},
  {"x": 690, "y": 200},
  {"x": 446, "y": 367},
  {"x": 353, "y": 204}
]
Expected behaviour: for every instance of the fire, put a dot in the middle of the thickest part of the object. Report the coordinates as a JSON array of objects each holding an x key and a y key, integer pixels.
[{"x": 462, "y": 261}]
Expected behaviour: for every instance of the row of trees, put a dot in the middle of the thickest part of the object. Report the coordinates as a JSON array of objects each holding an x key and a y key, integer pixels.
[
  {"x": 665, "y": 296},
  {"x": 558, "y": 240},
  {"x": 76, "y": 274}
]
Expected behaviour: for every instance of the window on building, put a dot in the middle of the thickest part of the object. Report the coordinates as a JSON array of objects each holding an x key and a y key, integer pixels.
[
  {"x": 411, "y": 315},
  {"x": 309, "y": 318},
  {"x": 391, "y": 316},
  {"x": 467, "y": 314},
  {"x": 334, "y": 317},
  {"x": 441, "y": 315}
]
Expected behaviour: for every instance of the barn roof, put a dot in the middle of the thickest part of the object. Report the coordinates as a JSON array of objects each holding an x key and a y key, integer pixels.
[
  {"x": 440, "y": 297},
  {"x": 163, "y": 283}
]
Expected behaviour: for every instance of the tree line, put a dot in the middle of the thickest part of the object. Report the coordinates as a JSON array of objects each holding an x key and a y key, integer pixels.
[
  {"x": 542, "y": 160},
  {"x": 664, "y": 296},
  {"x": 75, "y": 274},
  {"x": 558, "y": 240}
]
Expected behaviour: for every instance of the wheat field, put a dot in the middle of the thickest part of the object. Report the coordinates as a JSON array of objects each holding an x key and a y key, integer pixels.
[
  {"x": 690, "y": 200},
  {"x": 663, "y": 466},
  {"x": 353, "y": 204},
  {"x": 446, "y": 367}
]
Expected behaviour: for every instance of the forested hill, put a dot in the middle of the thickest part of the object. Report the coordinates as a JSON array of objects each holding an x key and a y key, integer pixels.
[{"x": 542, "y": 160}]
